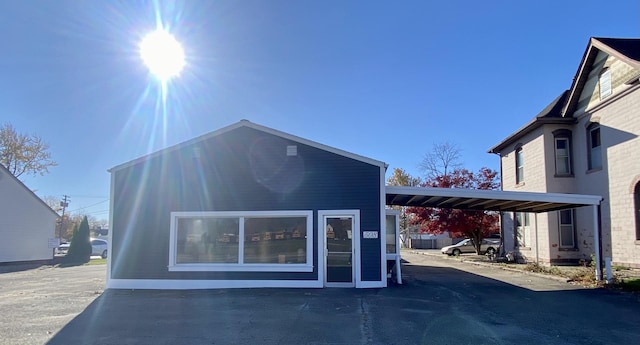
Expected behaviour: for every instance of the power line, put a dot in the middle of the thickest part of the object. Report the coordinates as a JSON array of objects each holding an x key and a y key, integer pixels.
[{"x": 85, "y": 207}]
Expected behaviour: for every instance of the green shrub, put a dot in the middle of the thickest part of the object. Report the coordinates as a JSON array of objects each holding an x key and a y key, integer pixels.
[{"x": 80, "y": 247}]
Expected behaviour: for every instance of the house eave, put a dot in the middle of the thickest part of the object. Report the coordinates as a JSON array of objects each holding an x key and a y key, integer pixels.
[
  {"x": 581, "y": 76},
  {"x": 528, "y": 128},
  {"x": 6, "y": 171}
]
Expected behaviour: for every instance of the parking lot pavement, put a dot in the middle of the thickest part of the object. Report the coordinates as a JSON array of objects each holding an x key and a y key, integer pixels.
[
  {"x": 442, "y": 302},
  {"x": 37, "y": 302}
]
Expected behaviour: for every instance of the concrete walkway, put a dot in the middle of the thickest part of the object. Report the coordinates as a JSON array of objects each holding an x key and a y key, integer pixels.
[{"x": 563, "y": 273}]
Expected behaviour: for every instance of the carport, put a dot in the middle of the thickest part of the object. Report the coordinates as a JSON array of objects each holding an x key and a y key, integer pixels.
[{"x": 502, "y": 201}]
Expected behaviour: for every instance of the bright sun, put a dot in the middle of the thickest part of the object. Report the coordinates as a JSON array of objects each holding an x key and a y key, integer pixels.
[{"x": 162, "y": 54}]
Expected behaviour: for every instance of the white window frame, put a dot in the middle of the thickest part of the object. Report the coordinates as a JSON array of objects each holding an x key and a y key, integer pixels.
[
  {"x": 240, "y": 266},
  {"x": 604, "y": 83},
  {"x": 519, "y": 165},
  {"x": 524, "y": 229},
  {"x": 567, "y": 156},
  {"x": 573, "y": 229},
  {"x": 595, "y": 153}
]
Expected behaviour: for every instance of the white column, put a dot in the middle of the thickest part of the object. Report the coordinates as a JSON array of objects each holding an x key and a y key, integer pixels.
[{"x": 596, "y": 243}]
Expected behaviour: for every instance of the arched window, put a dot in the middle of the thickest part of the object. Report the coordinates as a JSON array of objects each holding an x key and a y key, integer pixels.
[
  {"x": 519, "y": 165},
  {"x": 595, "y": 146},
  {"x": 562, "y": 145},
  {"x": 636, "y": 205}
]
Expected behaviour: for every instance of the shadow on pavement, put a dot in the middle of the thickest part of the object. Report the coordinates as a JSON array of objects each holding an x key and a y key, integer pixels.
[{"x": 435, "y": 305}]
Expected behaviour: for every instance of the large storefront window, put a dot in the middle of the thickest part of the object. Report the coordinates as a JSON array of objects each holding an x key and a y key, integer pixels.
[
  {"x": 242, "y": 241},
  {"x": 275, "y": 240},
  {"x": 207, "y": 240}
]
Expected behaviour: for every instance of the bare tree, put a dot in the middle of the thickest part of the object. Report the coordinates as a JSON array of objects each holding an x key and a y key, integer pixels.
[
  {"x": 22, "y": 153},
  {"x": 53, "y": 202},
  {"x": 442, "y": 160}
]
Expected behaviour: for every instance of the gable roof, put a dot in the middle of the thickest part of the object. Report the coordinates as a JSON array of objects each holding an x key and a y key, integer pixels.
[
  {"x": 625, "y": 49},
  {"x": 5, "y": 172},
  {"x": 246, "y": 123},
  {"x": 551, "y": 114}
]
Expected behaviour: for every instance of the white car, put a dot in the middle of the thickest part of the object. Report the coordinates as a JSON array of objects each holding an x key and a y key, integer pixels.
[
  {"x": 466, "y": 246},
  {"x": 99, "y": 247},
  {"x": 63, "y": 248}
]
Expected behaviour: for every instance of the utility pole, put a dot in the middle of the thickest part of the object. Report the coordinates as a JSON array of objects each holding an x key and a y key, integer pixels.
[{"x": 64, "y": 204}]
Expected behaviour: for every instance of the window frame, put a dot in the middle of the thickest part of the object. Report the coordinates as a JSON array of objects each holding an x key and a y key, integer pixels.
[
  {"x": 594, "y": 126},
  {"x": 604, "y": 79},
  {"x": 240, "y": 266},
  {"x": 636, "y": 205},
  {"x": 519, "y": 158},
  {"x": 573, "y": 230},
  {"x": 563, "y": 134},
  {"x": 526, "y": 229}
]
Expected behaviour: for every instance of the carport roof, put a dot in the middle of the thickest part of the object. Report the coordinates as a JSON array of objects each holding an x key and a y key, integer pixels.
[{"x": 494, "y": 200}]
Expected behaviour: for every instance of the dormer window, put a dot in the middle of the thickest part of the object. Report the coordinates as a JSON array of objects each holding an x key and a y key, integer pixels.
[{"x": 605, "y": 83}]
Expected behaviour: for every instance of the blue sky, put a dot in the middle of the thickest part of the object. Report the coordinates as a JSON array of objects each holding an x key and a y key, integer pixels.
[{"x": 384, "y": 80}]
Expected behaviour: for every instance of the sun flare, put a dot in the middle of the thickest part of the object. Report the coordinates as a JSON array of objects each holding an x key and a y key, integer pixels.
[{"x": 162, "y": 54}]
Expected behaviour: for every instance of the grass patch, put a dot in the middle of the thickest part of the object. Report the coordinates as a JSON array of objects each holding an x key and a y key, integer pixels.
[
  {"x": 535, "y": 268},
  {"x": 97, "y": 262},
  {"x": 620, "y": 268},
  {"x": 629, "y": 284},
  {"x": 69, "y": 262}
]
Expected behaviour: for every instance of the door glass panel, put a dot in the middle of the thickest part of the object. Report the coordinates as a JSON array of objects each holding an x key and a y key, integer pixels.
[
  {"x": 339, "y": 233},
  {"x": 391, "y": 233}
]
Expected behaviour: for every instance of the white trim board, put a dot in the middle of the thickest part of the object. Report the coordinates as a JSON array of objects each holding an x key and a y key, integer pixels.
[
  {"x": 180, "y": 284},
  {"x": 241, "y": 266}
]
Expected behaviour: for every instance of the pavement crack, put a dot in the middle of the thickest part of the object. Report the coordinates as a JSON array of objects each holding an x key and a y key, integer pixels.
[{"x": 366, "y": 324}]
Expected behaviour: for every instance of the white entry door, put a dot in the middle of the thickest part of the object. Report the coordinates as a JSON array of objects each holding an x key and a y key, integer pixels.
[{"x": 340, "y": 231}]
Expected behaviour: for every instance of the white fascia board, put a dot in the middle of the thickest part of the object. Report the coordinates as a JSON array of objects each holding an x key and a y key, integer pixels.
[
  {"x": 178, "y": 284},
  {"x": 581, "y": 199},
  {"x": 245, "y": 123},
  {"x": 313, "y": 144}
]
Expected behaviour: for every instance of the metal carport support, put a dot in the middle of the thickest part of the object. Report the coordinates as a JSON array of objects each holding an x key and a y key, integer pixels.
[{"x": 495, "y": 200}]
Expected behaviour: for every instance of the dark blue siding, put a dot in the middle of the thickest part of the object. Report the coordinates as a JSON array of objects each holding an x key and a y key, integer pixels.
[{"x": 241, "y": 170}]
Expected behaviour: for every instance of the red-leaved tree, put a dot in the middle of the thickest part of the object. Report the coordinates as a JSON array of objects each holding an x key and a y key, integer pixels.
[{"x": 472, "y": 224}]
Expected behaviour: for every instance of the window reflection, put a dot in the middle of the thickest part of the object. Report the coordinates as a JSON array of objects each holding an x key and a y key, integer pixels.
[
  {"x": 275, "y": 240},
  {"x": 207, "y": 240},
  {"x": 264, "y": 240}
]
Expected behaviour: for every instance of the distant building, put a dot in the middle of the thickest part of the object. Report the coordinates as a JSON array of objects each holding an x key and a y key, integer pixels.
[{"x": 27, "y": 224}]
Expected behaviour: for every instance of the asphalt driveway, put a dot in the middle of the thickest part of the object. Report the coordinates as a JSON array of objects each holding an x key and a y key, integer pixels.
[{"x": 442, "y": 302}]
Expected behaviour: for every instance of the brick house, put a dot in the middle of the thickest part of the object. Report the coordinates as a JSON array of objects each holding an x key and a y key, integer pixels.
[{"x": 584, "y": 142}]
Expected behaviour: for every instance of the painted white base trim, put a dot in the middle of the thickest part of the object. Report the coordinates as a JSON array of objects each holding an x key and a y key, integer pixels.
[
  {"x": 177, "y": 284},
  {"x": 372, "y": 285},
  {"x": 241, "y": 268}
]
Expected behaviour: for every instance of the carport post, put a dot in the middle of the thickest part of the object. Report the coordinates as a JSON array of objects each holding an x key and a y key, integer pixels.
[{"x": 596, "y": 243}]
